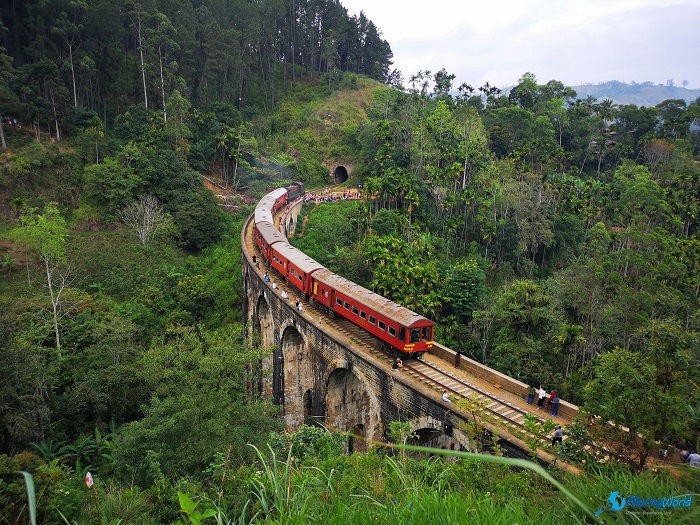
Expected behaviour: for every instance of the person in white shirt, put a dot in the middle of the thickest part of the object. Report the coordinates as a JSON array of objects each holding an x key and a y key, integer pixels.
[
  {"x": 540, "y": 399},
  {"x": 284, "y": 294},
  {"x": 446, "y": 397}
]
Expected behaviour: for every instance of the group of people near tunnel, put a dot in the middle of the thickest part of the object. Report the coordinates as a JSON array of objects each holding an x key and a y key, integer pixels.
[{"x": 327, "y": 196}]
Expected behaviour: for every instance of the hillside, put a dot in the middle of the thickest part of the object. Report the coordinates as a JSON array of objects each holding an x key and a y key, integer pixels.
[{"x": 644, "y": 94}]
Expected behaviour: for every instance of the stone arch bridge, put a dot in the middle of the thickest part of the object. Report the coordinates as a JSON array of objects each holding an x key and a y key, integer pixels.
[{"x": 319, "y": 376}]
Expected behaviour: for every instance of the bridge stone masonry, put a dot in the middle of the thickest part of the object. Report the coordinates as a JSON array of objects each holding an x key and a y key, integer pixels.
[{"x": 320, "y": 374}]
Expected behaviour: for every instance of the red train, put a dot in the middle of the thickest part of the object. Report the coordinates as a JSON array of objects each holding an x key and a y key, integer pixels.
[{"x": 399, "y": 329}]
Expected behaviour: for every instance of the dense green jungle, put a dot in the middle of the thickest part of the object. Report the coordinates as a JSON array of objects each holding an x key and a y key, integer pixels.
[{"x": 554, "y": 238}]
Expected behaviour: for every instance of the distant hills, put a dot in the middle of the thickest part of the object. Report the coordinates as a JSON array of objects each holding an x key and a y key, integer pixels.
[{"x": 641, "y": 94}]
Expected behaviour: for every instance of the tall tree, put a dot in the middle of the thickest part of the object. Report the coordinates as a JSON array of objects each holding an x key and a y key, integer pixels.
[
  {"x": 69, "y": 28},
  {"x": 8, "y": 99},
  {"x": 46, "y": 233}
]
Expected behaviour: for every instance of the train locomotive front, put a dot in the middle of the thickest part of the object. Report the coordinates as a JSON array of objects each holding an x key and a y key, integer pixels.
[{"x": 399, "y": 329}]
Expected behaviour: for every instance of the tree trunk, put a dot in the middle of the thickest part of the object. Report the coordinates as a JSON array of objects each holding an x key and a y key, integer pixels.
[
  {"x": 162, "y": 83},
  {"x": 55, "y": 118},
  {"x": 143, "y": 66},
  {"x": 54, "y": 306},
  {"x": 72, "y": 72}
]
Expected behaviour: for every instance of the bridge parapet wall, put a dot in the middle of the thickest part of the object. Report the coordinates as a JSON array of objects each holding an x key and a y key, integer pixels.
[{"x": 496, "y": 378}]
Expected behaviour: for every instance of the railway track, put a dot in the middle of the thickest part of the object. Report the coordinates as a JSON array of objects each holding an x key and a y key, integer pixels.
[{"x": 429, "y": 372}]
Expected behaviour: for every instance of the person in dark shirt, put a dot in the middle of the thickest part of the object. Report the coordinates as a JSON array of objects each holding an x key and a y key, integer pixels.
[
  {"x": 558, "y": 435},
  {"x": 555, "y": 405}
]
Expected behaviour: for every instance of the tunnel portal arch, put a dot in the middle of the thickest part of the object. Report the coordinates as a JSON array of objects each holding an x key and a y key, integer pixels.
[{"x": 340, "y": 174}]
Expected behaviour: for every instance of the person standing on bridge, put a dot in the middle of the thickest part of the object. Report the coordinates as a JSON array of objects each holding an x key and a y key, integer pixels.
[
  {"x": 530, "y": 395},
  {"x": 540, "y": 399},
  {"x": 555, "y": 404}
]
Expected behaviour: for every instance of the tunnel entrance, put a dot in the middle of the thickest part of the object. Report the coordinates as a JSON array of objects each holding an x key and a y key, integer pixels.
[{"x": 340, "y": 175}]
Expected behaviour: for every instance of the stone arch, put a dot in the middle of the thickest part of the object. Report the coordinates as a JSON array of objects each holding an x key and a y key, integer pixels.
[
  {"x": 264, "y": 322},
  {"x": 289, "y": 372},
  {"x": 427, "y": 436},
  {"x": 340, "y": 174},
  {"x": 350, "y": 407},
  {"x": 432, "y": 432},
  {"x": 289, "y": 226},
  {"x": 308, "y": 406}
]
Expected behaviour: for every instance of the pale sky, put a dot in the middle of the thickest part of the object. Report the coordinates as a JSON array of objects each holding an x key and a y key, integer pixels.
[{"x": 574, "y": 41}]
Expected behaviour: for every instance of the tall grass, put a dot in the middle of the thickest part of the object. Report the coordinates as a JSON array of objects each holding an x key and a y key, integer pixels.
[{"x": 427, "y": 492}]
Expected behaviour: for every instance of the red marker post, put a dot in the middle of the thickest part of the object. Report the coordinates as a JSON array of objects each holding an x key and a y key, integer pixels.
[{"x": 91, "y": 485}]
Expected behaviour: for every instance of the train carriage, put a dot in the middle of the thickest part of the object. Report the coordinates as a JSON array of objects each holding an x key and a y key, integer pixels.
[
  {"x": 265, "y": 236},
  {"x": 398, "y": 327},
  {"x": 274, "y": 200},
  {"x": 263, "y": 214},
  {"x": 294, "y": 265}
]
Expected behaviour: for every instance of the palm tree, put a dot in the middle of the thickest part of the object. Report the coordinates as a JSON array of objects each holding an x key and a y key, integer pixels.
[
  {"x": 569, "y": 339},
  {"x": 606, "y": 110}
]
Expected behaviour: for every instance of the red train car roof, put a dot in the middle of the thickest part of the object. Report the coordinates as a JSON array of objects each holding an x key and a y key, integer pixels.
[
  {"x": 263, "y": 214},
  {"x": 376, "y": 302},
  {"x": 276, "y": 194},
  {"x": 269, "y": 233},
  {"x": 268, "y": 201},
  {"x": 298, "y": 258}
]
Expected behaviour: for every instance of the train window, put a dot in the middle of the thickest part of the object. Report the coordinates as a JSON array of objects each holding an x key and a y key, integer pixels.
[
  {"x": 392, "y": 331},
  {"x": 355, "y": 310},
  {"x": 382, "y": 325},
  {"x": 372, "y": 319},
  {"x": 402, "y": 333},
  {"x": 325, "y": 293},
  {"x": 427, "y": 333},
  {"x": 415, "y": 335},
  {"x": 347, "y": 305},
  {"x": 363, "y": 315},
  {"x": 339, "y": 301}
]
